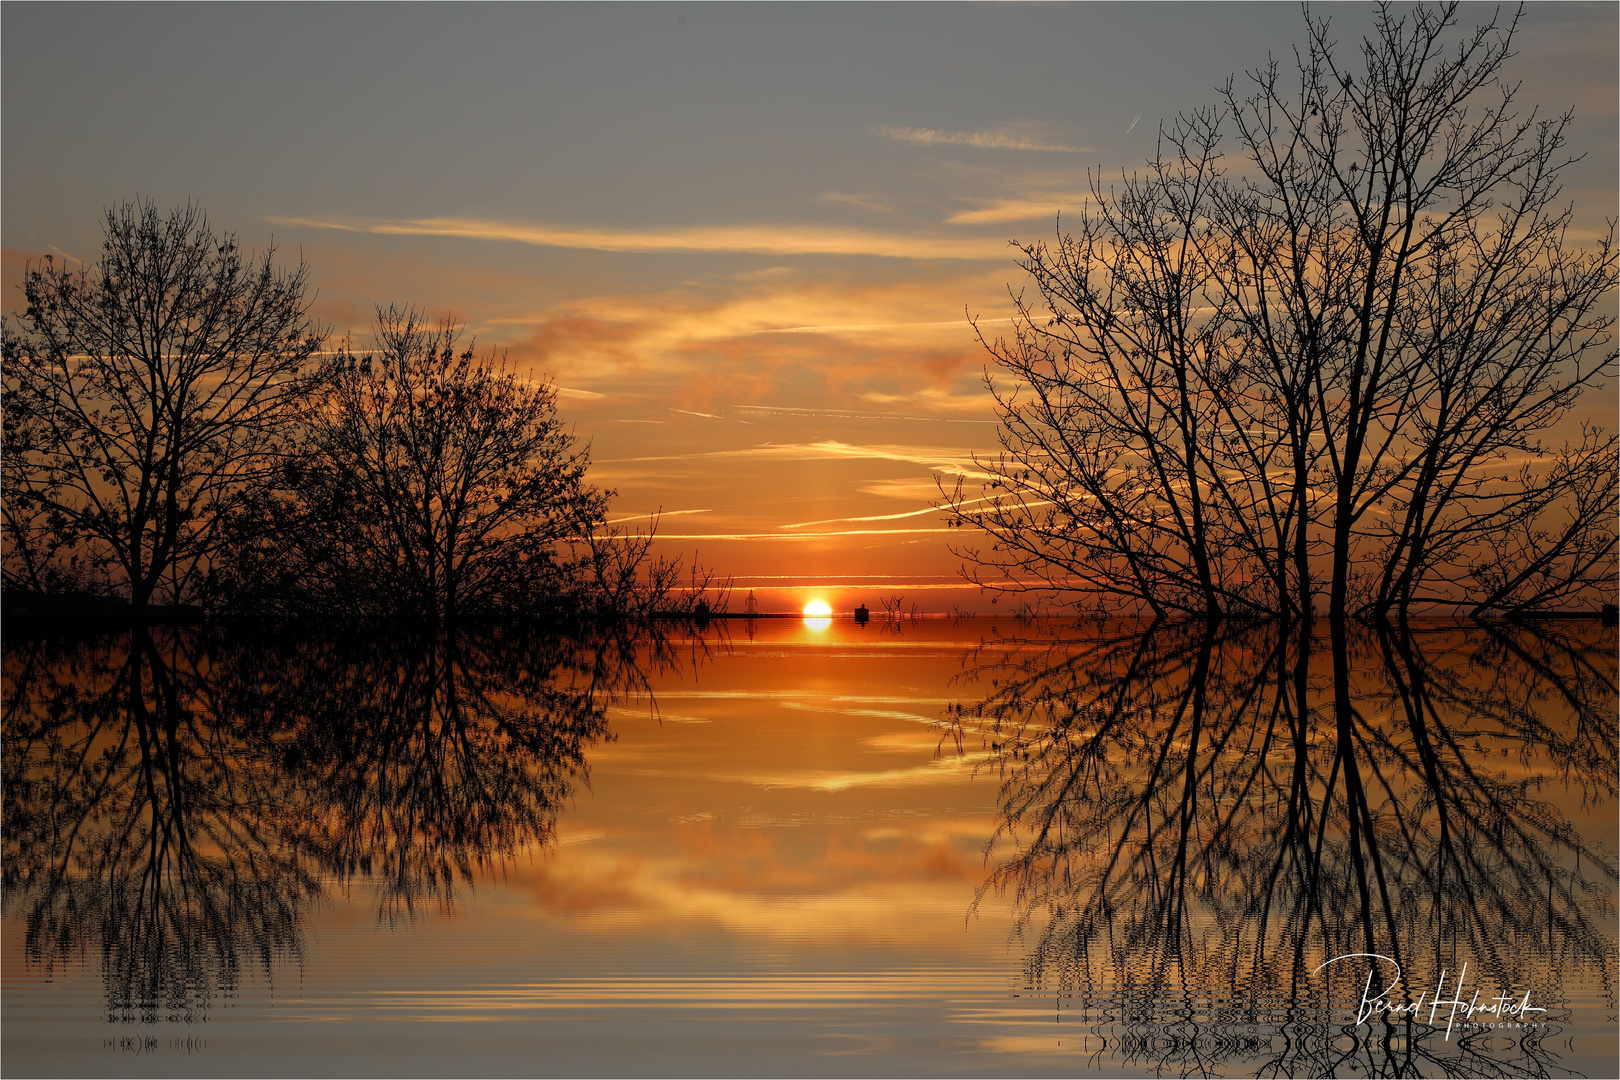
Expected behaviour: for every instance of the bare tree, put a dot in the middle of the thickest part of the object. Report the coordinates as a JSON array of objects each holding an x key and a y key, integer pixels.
[
  {"x": 146, "y": 397},
  {"x": 437, "y": 481},
  {"x": 623, "y": 579},
  {"x": 1336, "y": 370}
]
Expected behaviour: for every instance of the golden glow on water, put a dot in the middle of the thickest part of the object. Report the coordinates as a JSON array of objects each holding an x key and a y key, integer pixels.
[{"x": 784, "y": 835}]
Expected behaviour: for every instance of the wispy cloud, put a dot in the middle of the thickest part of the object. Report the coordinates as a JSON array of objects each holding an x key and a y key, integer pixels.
[
  {"x": 767, "y": 274},
  {"x": 869, "y": 517},
  {"x": 956, "y": 463},
  {"x": 798, "y": 536},
  {"x": 989, "y": 140},
  {"x": 933, "y": 397},
  {"x": 887, "y": 579},
  {"x": 857, "y": 200},
  {"x": 890, "y": 517},
  {"x": 844, "y": 414},
  {"x": 661, "y": 514},
  {"x": 743, "y": 239},
  {"x": 895, "y": 334},
  {"x": 857, "y": 328},
  {"x": 1023, "y": 208},
  {"x": 911, "y": 488}
]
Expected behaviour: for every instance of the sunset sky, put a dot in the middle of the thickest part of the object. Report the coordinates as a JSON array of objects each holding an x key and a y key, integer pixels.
[{"x": 742, "y": 240}]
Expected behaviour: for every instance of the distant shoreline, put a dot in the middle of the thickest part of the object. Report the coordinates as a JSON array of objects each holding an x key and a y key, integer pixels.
[{"x": 757, "y": 615}]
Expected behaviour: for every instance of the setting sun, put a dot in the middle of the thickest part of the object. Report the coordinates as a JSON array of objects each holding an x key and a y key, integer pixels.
[
  {"x": 1201, "y": 494},
  {"x": 817, "y": 615}
]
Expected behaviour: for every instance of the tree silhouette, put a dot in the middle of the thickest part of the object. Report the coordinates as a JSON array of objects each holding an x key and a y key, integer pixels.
[
  {"x": 433, "y": 482},
  {"x": 1329, "y": 377},
  {"x": 146, "y": 399}
]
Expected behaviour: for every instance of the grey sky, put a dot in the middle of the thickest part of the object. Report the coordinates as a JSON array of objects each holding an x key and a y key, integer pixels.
[
  {"x": 635, "y": 115},
  {"x": 684, "y": 214}
]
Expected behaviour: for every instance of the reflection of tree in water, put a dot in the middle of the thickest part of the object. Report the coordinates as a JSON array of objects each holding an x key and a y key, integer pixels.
[
  {"x": 427, "y": 761},
  {"x": 176, "y": 802},
  {"x": 1200, "y": 819},
  {"x": 139, "y": 826}
]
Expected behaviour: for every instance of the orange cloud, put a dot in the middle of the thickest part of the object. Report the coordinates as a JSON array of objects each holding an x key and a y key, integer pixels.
[
  {"x": 701, "y": 350},
  {"x": 1004, "y": 139},
  {"x": 1043, "y": 208},
  {"x": 556, "y": 341},
  {"x": 577, "y": 894},
  {"x": 745, "y": 239}
]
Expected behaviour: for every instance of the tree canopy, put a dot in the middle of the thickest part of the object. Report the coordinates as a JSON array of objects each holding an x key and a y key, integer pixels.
[
  {"x": 175, "y": 432},
  {"x": 146, "y": 398},
  {"x": 1327, "y": 366},
  {"x": 432, "y": 480}
]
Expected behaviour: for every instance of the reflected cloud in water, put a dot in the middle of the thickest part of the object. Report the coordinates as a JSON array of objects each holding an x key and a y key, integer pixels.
[{"x": 1197, "y": 831}]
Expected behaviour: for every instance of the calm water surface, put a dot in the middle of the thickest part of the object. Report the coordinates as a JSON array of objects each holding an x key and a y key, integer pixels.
[{"x": 937, "y": 848}]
